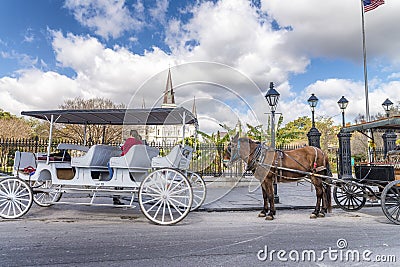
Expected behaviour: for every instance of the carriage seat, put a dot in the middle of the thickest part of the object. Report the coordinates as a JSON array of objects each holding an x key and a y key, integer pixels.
[
  {"x": 179, "y": 157},
  {"x": 138, "y": 156},
  {"x": 97, "y": 156},
  {"x": 22, "y": 160}
]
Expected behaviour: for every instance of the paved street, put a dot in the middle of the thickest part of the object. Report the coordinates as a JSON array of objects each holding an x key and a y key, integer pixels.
[
  {"x": 226, "y": 232},
  {"x": 94, "y": 236}
]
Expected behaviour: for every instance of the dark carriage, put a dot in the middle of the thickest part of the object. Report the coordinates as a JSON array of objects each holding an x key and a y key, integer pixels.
[{"x": 377, "y": 180}]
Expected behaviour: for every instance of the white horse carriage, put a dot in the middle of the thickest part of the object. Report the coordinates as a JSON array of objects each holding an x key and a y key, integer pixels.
[{"x": 164, "y": 188}]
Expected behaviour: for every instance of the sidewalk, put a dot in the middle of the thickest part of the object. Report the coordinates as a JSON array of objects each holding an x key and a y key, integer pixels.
[{"x": 223, "y": 195}]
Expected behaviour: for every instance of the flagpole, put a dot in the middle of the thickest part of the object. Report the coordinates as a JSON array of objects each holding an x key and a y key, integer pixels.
[
  {"x": 365, "y": 64},
  {"x": 368, "y": 118}
]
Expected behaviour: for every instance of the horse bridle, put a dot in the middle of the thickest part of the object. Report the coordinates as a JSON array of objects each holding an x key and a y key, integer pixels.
[{"x": 236, "y": 156}]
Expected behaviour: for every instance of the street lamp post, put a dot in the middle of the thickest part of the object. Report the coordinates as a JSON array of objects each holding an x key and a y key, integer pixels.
[
  {"x": 343, "y": 102},
  {"x": 272, "y": 97},
  {"x": 313, "y": 135},
  {"x": 389, "y": 137},
  {"x": 345, "y": 171}
]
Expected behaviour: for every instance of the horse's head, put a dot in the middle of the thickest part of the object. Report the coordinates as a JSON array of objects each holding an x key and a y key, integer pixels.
[{"x": 232, "y": 152}]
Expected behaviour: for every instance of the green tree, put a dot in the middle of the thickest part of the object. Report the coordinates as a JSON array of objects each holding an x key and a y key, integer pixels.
[
  {"x": 294, "y": 131},
  {"x": 256, "y": 133}
]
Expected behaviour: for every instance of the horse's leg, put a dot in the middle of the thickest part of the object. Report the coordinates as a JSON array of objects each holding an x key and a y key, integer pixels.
[
  {"x": 324, "y": 208},
  {"x": 270, "y": 195},
  {"x": 319, "y": 193},
  {"x": 265, "y": 209}
]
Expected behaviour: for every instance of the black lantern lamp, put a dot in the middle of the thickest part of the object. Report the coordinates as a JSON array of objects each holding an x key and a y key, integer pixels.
[
  {"x": 387, "y": 105},
  {"x": 313, "y": 102},
  {"x": 343, "y": 102},
  {"x": 272, "y": 97}
]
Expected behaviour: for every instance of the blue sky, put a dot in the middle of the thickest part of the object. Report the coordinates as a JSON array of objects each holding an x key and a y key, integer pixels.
[{"x": 53, "y": 50}]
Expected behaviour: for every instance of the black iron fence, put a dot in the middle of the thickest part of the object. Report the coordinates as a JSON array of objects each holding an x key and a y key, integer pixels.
[{"x": 207, "y": 158}]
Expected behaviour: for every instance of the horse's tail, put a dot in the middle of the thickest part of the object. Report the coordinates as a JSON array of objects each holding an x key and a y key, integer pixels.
[{"x": 328, "y": 193}]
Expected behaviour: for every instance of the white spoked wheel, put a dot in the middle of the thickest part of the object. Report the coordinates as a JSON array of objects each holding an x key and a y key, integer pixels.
[
  {"x": 165, "y": 196},
  {"x": 198, "y": 188},
  {"x": 45, "y": 199},
  {"x": 15, "y": 198}
]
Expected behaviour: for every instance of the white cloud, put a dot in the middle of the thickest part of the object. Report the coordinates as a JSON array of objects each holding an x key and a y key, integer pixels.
[
  {"x": 23, "y": 59},
  {"x": 333, "y": 28},
  {"x": 107, "y": 18},
  {"x": 34, "y": 89},
  {"x": 158, "y": 13},
  {"x": 230, "y": 32}
]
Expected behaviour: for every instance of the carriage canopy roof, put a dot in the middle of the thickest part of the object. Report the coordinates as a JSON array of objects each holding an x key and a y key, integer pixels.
[
  {"x": 154, "y": 116},
  {"x": 392, "y": 123}
]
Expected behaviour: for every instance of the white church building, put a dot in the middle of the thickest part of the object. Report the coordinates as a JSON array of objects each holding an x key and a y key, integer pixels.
[{"x": 167, "y": 134}]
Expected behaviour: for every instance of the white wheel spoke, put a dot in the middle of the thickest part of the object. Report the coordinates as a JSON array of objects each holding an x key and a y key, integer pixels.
[
  {"x": 21, "y": 203},
  {"x": 180, "y": 182},
  {"x": 7, "y": 203},
  {"x": 12, "y": 204},
  {"x": 170, "y": 212},
  {"x": 151, "y": 194},
  {"x": 158, "y": 210},
  {"x": 175, "y": 207},
  {"x": 18, "y": 206},
  {"x": 4, "y": 202},
  {"x": 20, "y": 194},
  {"x": 5, "y": 189},
  {"x": 151, "y": 200},
  {"x": 178, "y": 191},
  {"x": 154, "y": 205},
  {"x": 16, "y": 190},
  {"x": 154, "y": 190},
  {"x": 163, "y": 212},
  {"x": 178, "y": 202}
]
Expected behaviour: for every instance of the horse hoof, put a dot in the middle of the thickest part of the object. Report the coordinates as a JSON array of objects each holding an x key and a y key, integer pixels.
[
  {"x": 269, "y": 218},
  {"x": 313, "y": 216},
  {"x": 262, "y": 214},
  {"x": 321, "y": 215}
]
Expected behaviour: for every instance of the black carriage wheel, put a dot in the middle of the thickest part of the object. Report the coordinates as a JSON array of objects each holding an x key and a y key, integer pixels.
[
  {"x": 390, "y": 201},
  {"x": 349, "y": 196}
]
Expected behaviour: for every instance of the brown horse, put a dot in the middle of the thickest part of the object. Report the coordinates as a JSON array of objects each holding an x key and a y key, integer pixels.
[{"x": 269, "y": 166}]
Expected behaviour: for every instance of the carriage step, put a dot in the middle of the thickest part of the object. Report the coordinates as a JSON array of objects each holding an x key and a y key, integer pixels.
[{"x": 93, "y": 204}]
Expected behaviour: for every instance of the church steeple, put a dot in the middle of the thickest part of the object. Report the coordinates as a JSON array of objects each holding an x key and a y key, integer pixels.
[
  {"x": 194, "y": 108},
  {"x": 169, "y": 95}
]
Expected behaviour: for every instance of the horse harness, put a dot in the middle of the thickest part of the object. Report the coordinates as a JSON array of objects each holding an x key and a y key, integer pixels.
[{"x": 259, "y": 154}]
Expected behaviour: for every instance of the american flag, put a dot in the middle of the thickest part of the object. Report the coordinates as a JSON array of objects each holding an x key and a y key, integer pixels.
[{"x": 372, "y": 4}]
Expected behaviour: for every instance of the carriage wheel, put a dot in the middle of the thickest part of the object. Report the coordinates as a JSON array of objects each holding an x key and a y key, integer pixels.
[
  {"x": 390, "y": 201},
  {"x": 44, "y": 199},
  {"x": 15, "y": 198},
  {"x": 165, "y": 196},
  {"x": 198, "y": 188},
  {"x": 349, "y": 196}
]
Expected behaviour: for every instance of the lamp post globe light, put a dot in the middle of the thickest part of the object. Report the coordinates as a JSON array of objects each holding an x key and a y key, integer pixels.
[
  {"x": 272, "y": 97},
  {"x": 343, "y": 102},
  {"x": 313, "y": 135},
  {"x": 387, "y": 105}
]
